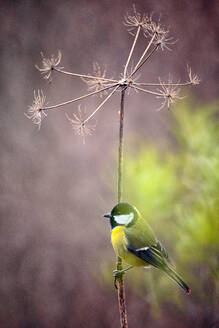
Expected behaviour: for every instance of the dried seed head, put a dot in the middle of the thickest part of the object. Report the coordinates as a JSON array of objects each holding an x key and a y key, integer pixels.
[
  {"x": 134, "y": 21},
  {"x": 169, "y": 94},
  {"x": 160, "y": 34},
  {"x": 49, "y": 65},
  {"x": 155, "y": 28},
  {"x": 35, "y": 111},
  {"x": 98, "y": 83},
  {"x": 164, "y": 42},
  {"x": 78, "y": 125},
  {"x": 193, "y": 78}
]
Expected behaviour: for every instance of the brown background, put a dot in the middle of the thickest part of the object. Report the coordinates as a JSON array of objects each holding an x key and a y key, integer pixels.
[{"x": 53, "y": 189}]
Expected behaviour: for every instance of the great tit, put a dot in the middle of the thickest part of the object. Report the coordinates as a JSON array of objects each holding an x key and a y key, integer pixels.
[{"x": 135, "y": 243}]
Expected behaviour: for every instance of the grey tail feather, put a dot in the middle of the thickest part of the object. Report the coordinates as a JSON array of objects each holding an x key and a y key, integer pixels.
[{"x": 174, "y": 276}]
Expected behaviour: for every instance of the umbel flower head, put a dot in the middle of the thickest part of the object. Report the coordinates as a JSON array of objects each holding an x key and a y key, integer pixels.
[
  {"x": 169, "y": 92},
  {"x": 49, "y": 65},
  {"x": 79, "y": 126},
  {"x": 35, "y": 111},
  {"x": 193, "y": 78},
  {"x": 98, "y": 83},
  {"x": 159, "y": 34},
  {"x": 156, "y": 38},
  {"x": 134, "y": 21}
]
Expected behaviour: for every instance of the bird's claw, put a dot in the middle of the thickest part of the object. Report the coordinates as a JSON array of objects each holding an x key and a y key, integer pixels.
[{"x": 117, "y": 274}]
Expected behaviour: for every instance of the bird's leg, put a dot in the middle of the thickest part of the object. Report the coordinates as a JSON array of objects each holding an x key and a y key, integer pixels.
[{"x": 119, "y": 273}]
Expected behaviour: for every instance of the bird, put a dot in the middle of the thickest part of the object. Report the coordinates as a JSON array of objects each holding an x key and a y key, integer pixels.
[{"x": 135, "y": 243}]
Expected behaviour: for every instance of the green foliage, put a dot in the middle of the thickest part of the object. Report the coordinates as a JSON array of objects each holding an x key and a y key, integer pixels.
[{"x": 178, "y": 192}]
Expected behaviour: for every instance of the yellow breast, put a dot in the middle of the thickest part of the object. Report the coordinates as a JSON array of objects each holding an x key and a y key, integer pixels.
[{"x": 119, "y": 243}]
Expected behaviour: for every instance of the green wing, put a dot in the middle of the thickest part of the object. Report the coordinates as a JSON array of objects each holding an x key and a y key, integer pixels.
[
  {"x": 140, "y": 234},
  {"x": 142, "y": 243},
  {"x": 157, "y": 258}
]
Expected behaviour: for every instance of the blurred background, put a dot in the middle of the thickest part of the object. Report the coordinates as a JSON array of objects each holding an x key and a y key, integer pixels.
[{"x": 56, "y": 257}]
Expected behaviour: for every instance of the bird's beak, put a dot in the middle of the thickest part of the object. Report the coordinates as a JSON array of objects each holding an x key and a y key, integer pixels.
[{"x": 108, "y": 215}]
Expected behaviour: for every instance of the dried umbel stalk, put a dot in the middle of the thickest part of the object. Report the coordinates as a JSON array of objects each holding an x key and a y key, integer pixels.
[{"x": 156, "y": 38}]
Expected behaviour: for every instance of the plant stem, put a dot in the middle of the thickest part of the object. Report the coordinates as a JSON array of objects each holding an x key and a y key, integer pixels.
[
  {"x": 101, "y": 105},
  {"x": 120, "y": 155},
  {"x": 146, "y": 91},
  {"x": 79, "y": 98},
  {"x": 164, "y": 84},
  {"x": 142, "y": 57},
  {"x": 142, "y": 63},
  {"x": 84, "y": 75},
  {"x": 121, "y": 298},
  {"x": 121, "y": 289},
  {"x": 131, "y": 51}
]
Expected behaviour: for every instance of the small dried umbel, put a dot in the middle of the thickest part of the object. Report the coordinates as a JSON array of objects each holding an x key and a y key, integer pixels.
[
  {"x": 157, "y": 38},
  {"x": 169, "y": 93},
  {"x": 99, "y": 83},
  {"x": 135, "y": 20},
  {"x": 193, "y": 78},
  {"x": 36, "y": 111},
  {"x": 49, "y": 65},
  {"x": 78, "y": 125}
]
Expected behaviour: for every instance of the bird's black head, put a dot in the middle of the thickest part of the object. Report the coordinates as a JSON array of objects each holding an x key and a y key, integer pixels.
[{"x": 122, "y": 214}]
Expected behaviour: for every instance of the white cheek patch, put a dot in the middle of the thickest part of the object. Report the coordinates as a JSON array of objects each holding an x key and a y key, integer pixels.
[{"x": 124, "y": 218}]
